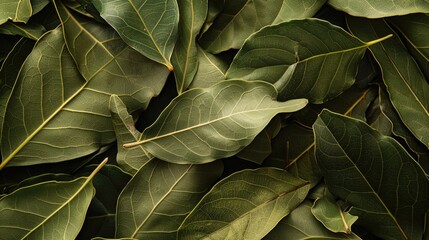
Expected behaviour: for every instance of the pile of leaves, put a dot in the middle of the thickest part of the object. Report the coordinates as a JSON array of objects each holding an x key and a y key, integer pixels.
[{"x": 189, "y": 119}]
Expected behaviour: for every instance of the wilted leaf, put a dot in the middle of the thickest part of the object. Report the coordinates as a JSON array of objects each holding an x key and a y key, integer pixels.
[
  {"x": 380, "y": 8},
  {"x": 48, "y": 210},
  {"x": 404, "y": 80},
  {"x": 131, "y": 160},
  {"x": 415, "y": 29},
  {"x": 17, "y": 11},
  {"x": 148, "y": 26},
  {"x": 52, "y": 99},
  {"x": 240, "y": 18},
  {"x": 386, "y": 188},
  {"x": 211, "y": 70},
  {"x": 160, "y": 195},
  {"x": 332, "y": 216},
  {"x": 303, "y": 58},
  {"x": 30, "y": 30},
  {"x": 185, "y": 55},
  {"x": 202, "y": 125},
  {"x": 300, "y": 224},
  {"x": 245, "y": 205}
]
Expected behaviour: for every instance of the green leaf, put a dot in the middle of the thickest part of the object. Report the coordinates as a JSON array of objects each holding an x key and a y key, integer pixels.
[
  {"x": 149, "y": 26},
  {"x": 131, "y": 160},
  {"x": 202, "y": 125},
  {"x": 48, "y": 210},
  {"x": 380, "y": 8},
  {"x": 415, "y": 30},
  {"x": 69, "y": 105},
  {"x": 30, "y": 30},
  {"x": 300, "y": 224},
  {"x": 374, "y": 174},
  {"x": 332, "y": 216},
  {"x": 17, "y": 11},
  {"x": 304, "y": 58},
  {"x": 240, "y": 18},
  {"x": 100, "y": 219},
  {"x": 9, "y": 70},
  {"x": 245, "y": 205},
  {"x": 185, "y": 55},
  {"x": 211, "y": 70},
  {"x": 159, "y": 196},
  {"x": 404, "y": 80}
]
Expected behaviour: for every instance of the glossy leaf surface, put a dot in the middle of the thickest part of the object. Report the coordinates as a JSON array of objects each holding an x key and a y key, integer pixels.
[
  {"x": 385, "y": 186},
  {"x": 159, "y": 196},
  {"x": 153, "y": 22},
  {"x": 245, "y": 205},
  {"x": 59, "y": 215},
  {"x": 202, "y": 125},
  {"x": 304, "y": 58},
  {"x": 403, "y": 78},
  {"x": 239, "y": 19},
  {"x": 380, "y": 8}
]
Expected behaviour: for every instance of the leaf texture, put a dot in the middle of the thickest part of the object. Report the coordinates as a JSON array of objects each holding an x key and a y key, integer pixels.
[
  {"x": 245, "y": 205},
  {"x": 407, "y": 87},
  {"x": 380, "y": 8},
  {"x": 385, "y": 186},
  {"x": 160, "y": 195},
  {"x": 54, "y": 100},
  {"x": 48, "y": 210},
  {"x": 308, "y": 58},
  {"x": 203, "y": 125},
  {"x": 149, "y": 26},
  {"x": 300, "y": 224},
  {"x": 185, "y": 55},
  {"x": 17, "y": 11},
  {"x": 30, "y": 30},
  {"x": 239, "y": 19}
]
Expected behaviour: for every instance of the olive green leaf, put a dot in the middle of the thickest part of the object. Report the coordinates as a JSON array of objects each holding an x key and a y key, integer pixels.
[
  {"x": 240, "y": 18},
  {"x": 403, "y": 78},
  {"x": 47, "y": 210},
  {"x": 244, "y": 205},
  {"x": 211, "y": 69},
  {"x": 160, "y": 195},
  {"x": 185, "y": 55},
  {"x": 415, "y": 30},
  {"x": 380, "y": 8},
  {"x": 149, "y": 26},
  {"x": 131, "y": 160},
  {"x": 202, "y": 125},
  {"x": 385, "y": 186},
  {"x": 17, "y": 11},
  {"x": 331, "y": 215},
  {"x": 300, "y": 224},
  {"x": 69, "y": 105},
  {"x": 30, "y": 30},
  {"x": 308, "y": 58}
]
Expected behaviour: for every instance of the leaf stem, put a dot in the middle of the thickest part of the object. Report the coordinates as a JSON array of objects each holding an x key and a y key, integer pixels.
[{"x": 379, "y": 40}]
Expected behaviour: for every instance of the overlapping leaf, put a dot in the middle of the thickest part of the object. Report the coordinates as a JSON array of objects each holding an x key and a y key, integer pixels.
[
  {"x": 385, "y": 186},
  {"x": 415, "y": 29},
  {"x": 304, "y": 58},
  {"x": 48, "y": 210},
  {"x": 17, "y": 11},
  {"x": 406, "y": 84},
  {"x": 148, "y": 26},
  {"x": 30, "y": 30},
  {"x": 55, "y": 101},
  {"x": 202, "y": 125},
  {"x": 159, "y": 196},
  {"x": 380, "y": 8},
  {"x": 185, "y": 55},
  {"x": 239, "y": 19},
  {"x": 300, "y": 224},
  {"x": 245, "y": 205}
]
